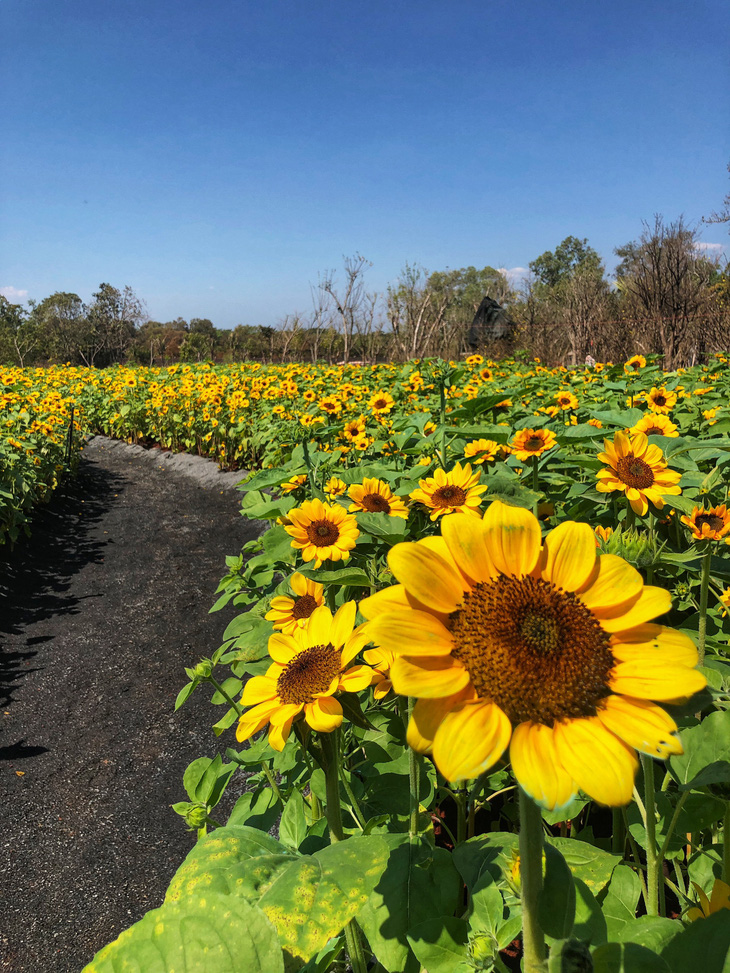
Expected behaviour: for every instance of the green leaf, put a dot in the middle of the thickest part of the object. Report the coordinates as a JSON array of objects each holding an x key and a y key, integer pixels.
[
  {"x": 393, "y": 529},
  {"x": 556, "y": 905},
  {"x": 706, "y": 757},
  {"x": 205, "y": 932},
  {"x": 621, "y": 899},
  {"x": 486, "y": 854},
  {"x": 654, "y": 932},
  {"x": 293, "y": 824},
  {"x": 590, "y": 924},
  {"x": 703, "y": 945},
  {"x": 590, "y": 864},
  {"x": 441, "y": 945},
  {"x": 355, "y": 577},
  {"x": 256, "y": 810},
  {"x": 407, "y": 894},
  {"x": 627, "y": 958},
  {"x": 185, "y": 693}
]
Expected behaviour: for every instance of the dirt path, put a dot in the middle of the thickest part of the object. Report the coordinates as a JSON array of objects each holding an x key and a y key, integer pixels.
[{"x": 99, "y": 612}]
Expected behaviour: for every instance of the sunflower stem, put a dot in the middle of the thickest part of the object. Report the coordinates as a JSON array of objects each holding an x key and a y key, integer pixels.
[
  {"x": 413, "y": 781},
  {"x": 462, "y": 801},
  {"x": 535, "y": 485},
  {"x": 704, "y": 589},
  {"x": 442, "y": 391},
  {"x": 533, "y": 940},
  {"x": 726, "y": 844},
  {"x": 653, "y": 860}
]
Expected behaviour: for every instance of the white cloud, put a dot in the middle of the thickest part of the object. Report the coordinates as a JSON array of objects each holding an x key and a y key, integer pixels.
[
  {"x": 712, "y": 247},
  {"x": 12, "y": 293},
  {"x": 513, "y": 274}
]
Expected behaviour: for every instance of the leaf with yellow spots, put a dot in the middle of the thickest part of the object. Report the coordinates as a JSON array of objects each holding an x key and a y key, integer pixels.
[{"x": 212, "y": 932}]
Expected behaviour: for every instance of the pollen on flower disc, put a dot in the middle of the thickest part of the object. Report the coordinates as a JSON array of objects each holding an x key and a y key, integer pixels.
[
  {"x": 532, "y": 648},
  {"x": 309, "y": 673}
]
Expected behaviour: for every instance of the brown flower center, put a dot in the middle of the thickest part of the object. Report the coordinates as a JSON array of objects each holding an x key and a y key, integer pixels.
[
  {"x": 375, "y": 503},
  {"x": 714, "y": 522},
  {"x": 309, "y": 673},
  {"x": 533, "y": 443},
  {"x": 448, "y": 496},
  {"x": 532, "y": 648},
  {"x": 380, "y": 403},
  {"x": 322, "y": 533},
  {"x": 304, "y": 606},
  {"x": 634, "y": 472},
  {"x": 659, "y": 399}
]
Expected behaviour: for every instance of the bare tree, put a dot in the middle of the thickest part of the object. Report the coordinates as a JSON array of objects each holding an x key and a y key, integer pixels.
[
  {"x": 415, "y": 310},
  {"x": 351, "y": 300}
]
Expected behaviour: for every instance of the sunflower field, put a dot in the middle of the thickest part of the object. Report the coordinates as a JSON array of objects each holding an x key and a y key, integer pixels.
[{"x": 480, "y": 681}]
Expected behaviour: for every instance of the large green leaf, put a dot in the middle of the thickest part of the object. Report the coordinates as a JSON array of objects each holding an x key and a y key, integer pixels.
[
  {"x": 703, "y": 945},
  {"x": 441, "y": 945},
  {"x": 627, "y": 958},
  {"x": 590, "y": 864},
  {"x": 556, "y": 906},
  {"x": 706, "y": 757},
  {"x": 486, "y": 854},
  {"x": 212, "y": 932},
  {"x": 309, "y": 898},
  {"x": 620, "y": 901},
  {"x": 408, "y": 893}
]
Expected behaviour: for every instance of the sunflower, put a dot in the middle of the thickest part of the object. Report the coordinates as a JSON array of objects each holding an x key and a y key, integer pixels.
[
  {"x": 335, "y": 487},
  {"x": 322, "y": 531},
  {"x": 566, "y": 400},
  {"x": 446, "y": 492},
  {"x": 482, "y": 450},
  {"x": 532, "y": 442},
  {"x": 309, "y": 667},
  {"x": 381, "y": 660},
  {"x": 635, "y": 363},
  {"x": 486, "y": 374},
  {"x": 656, "y": 424},
  {"x": 375, "y": 496},
  {"x": 545, "y": 648},
  {"x": 330, "y": 405},
  {"x": 294, "y": 482},
  {"x": 603, "y": 533},
  {"x": 660, "y": 400},
  {"x": 639, "y": 470},
  {"x": 354, "y": 428},
  {"x": 719, "y": 899},
  {"x": 381, "y": 402},
  {"x": 709, "y": 524},
  {"x": 289, "y": 614}
]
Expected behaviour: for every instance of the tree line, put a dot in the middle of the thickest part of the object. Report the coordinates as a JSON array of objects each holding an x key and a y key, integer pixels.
[{"x": 668, "y": 296}]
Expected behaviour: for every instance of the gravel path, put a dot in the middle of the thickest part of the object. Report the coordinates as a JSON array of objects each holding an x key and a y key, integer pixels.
[{"x": 99, "y": 612}]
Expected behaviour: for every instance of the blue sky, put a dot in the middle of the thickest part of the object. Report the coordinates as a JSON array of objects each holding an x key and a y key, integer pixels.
[{"x": 218, "y": 155}]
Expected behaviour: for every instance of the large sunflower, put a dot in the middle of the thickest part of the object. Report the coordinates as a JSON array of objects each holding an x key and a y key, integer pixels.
[
  {"x": 660, "y": 400},
  {"x": 547, "y": 648},
  {"x": 638, "y": 469},
  {"x": 289, "y": 614},
  {"x": 309, "y": 667},
  {"x": 322, "y": 531},
  {"x": 709, "y": 523},
  {"x": 375, "y": 496},
  {"x": 656, "y": 424},
  {"x": 444, "y": 493},
  {"x": 532, "y": 442}
]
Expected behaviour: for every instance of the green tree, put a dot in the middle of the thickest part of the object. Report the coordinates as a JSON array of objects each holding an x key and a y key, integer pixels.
[
  {"x": 61, "y": 318},
  {"x": 19, "y": 333}
]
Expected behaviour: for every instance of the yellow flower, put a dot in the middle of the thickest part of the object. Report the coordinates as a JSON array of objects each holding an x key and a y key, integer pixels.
[
  {"x": 710, "y": 415},
  {"x": 289, "y": 614},
  {"x": 532, "y": 442},
  {"x": 381, "y": 402},
  {"x": 709, "y": 524},
  {"x": 595, "y": 422},
  {"x": 381, "y": 660},
  {"x": 474, "y": 360},
  {"x": 603, "y": 533},
  {"x": 322, "y": 531},
  {"x": 445, "y": 493},
  {"x": 719, "y": 899},
  {"x": 566, "y": 400},
  {"x": 639, "y": 470},
  {"x": 546, "y": 648},
  {"x": 354, "y": 428},
  {"x": 309, "y": 667},
  {"x": 375, "y": 496},
  {"x": 660, "y": 400},
  {"x": 481, "y": 450},
  {"x": 486, "y": 374},
  {"x": 635, "y": 363},
  {"x": 724, "y": 599},
  {"x": 335, "y": 487},
  {"x": 294, "y": 482},
  {"x": 656, "y": 425}
]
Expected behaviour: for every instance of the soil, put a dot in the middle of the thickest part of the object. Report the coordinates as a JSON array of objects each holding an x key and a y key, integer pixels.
[{"x": 99, "y": 611}]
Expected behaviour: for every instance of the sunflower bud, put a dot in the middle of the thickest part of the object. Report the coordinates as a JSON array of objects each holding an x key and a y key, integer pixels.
[
  {"x": 203, "y": 669},
  {"x": 196, "y": 816},
  {"x": 481, "y": 951},
  {"x": 641, "y": 550}
]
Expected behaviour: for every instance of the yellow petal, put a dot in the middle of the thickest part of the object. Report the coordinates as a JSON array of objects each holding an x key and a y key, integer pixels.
[
  {"x": 344, "y": 622},
  {"x": 644, "y": 726},
  {"x": 472, "y": 737},
  {"x": 426, "y": 576},
  {"x": 720, "y": 896},
  {"x": 513, "y": 539},
  {"x": 603, "y": 766},
  {"x": 319, "y": 626},
  {"x": 282, "y": 649},
  {"x": 569, "y": 555},
  {"x": 412, "y": 633},
  {"x": 323, "y": 714},
  {"x": 655, "y": 645},
  {"x": 278, "y": 735},
  {"x": 257, "y": 690},
  {"x": 298, "y": 584},
  {"x": 284, "y": 712},
  {"x": 356, "y": 678},
  {"x": 427, "y": 716},
  {"x": 536, "y": 766},
  {"x": 663, "y": 683},
  {"x": 428, "y": 677},
  {"x": 615, "y": 587},
  {"x": 439, "y": 546},
  {"x": 465, "y": 539},
  {"x": 650, "y": 603},
  {"x": 247, "y": 728}
]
